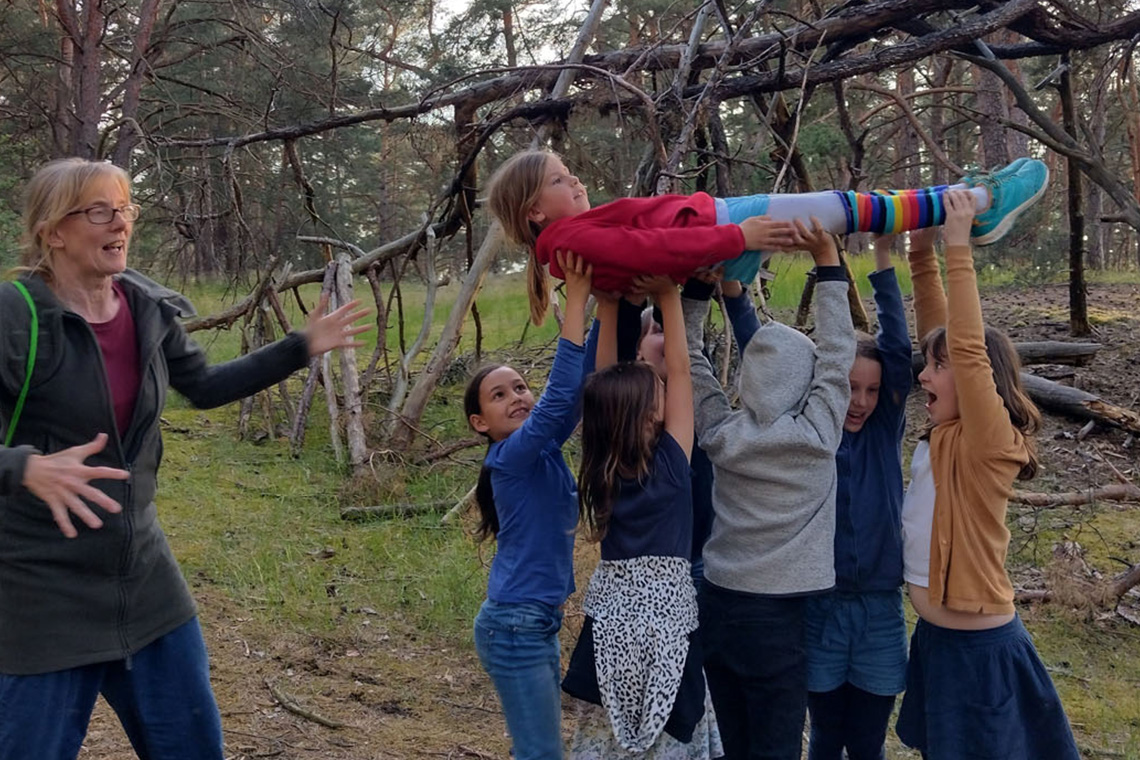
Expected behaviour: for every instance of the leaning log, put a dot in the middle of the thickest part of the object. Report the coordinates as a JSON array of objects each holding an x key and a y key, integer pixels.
[{"x": 1077, "y": 403}]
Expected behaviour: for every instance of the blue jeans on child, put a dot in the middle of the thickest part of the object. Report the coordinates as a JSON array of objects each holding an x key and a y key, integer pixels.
[
  {"x": 161, "y": 694},
  {"x": 517, "y": 644}
]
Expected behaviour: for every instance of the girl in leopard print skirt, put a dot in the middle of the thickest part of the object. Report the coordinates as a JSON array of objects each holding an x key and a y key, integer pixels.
[{"x": 636, "y": 669}]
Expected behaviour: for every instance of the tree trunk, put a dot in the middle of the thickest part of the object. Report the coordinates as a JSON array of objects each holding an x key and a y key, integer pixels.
[{"x": 1078, "y": 290}]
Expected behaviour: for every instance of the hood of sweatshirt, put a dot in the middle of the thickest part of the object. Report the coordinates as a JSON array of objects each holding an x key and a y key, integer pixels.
[{"x": 776, "y": 372}]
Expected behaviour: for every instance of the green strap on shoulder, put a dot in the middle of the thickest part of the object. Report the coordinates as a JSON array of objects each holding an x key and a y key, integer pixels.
[{"x": 31, "y": 362}]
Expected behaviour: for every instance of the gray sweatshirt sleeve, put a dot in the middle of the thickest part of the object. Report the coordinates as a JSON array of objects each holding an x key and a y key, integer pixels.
[
  {"x": 830, "y": 391},
  {"x": 710, "y": 404}
]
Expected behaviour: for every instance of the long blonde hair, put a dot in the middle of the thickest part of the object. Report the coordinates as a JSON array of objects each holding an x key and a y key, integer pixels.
[
  {"x": 513, "y": 190},
  {"x": 52, "y": 193}
]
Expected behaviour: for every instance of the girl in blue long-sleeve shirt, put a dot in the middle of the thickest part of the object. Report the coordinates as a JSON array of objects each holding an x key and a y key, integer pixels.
[
  {"x": 856, "y": 634},
  {"x": 528, "y": 501}
]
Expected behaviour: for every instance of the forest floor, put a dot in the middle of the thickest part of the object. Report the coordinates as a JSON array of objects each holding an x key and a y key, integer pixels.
[{"x": 401, "y": 689}]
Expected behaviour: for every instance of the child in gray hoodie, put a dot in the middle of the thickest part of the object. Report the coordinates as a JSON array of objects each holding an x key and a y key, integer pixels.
[{"x": 773, "y": 532}]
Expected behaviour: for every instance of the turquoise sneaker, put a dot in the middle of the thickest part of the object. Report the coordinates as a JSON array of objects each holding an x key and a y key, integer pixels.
[{"x": 1012, "y": 190}]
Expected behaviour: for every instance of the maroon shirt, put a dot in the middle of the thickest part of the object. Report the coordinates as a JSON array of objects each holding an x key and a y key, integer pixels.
[{"x": 120, "y": 347}]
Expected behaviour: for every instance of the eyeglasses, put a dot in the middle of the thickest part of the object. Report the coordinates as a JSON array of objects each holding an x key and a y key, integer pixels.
[{"x": 104, "y": 214}]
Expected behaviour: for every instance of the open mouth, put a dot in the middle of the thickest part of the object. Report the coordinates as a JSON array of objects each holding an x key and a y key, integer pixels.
[
  {"x": 113, "y": 247},
  {"x": 520, "y": 413},
  {"x": 930, "y": 399}
]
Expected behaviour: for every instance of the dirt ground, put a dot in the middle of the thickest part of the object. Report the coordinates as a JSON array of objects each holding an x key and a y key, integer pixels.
[{"x": 398, "y": 695}]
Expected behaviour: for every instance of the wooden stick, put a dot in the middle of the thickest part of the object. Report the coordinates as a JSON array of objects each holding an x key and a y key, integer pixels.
[
  {"x": 381, "y": 511},
  {"x": 297, "y": 435},
  {"x": 353, "y": 407},
  {"x": 290, "y": 704},
  {"x": 460, "y": 508},
  {"x": 1117, "y": 492}
]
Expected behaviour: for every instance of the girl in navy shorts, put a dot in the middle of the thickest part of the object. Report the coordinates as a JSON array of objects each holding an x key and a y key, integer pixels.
[{"x": 975, "y": 685}]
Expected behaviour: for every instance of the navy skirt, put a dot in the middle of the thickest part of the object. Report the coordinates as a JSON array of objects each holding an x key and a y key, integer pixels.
[{"x": 976, "y": 695}]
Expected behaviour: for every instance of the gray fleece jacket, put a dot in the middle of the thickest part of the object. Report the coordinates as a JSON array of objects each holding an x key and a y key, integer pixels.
[{"x": 774, "y": 459}]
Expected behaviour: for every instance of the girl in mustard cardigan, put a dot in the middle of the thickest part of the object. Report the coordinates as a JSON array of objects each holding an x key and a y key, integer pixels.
[{"x": 975, "y": 685}]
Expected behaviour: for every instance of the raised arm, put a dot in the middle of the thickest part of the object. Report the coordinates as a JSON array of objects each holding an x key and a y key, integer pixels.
[
  {"x": 741, "y": 313},
  {"x": 830, "y": 390},
  {"x": 710, "y": 404},
  {"x": 985, "y": 421},
  {"x": 555, "y": 415},
  {"x": 893, "y": 339},
  {"x": 929, "y": 300},
  {"x": 679, "y": 381},
  {"x": 607, "y": 317}
]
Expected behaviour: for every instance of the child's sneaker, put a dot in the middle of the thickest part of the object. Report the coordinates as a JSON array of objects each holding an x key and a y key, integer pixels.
[{"x": 1012, "y": 190}]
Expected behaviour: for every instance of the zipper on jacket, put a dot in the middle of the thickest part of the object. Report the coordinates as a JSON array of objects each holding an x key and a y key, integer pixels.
[
  {"x": 127, "y": 513},
  {"x": 124, "y": 565}
]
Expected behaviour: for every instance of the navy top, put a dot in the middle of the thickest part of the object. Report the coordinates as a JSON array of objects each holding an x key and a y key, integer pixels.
[
  {"x": 536, "y": 495},
  {"x": 628, "y": 337},
  {"x": 869, "y": 491},
  {"x": 653, "y": 517}
]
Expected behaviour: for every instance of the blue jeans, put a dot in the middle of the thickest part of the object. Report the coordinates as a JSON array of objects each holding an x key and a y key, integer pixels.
[
  {"x": 161, "y": 694},
  {"x": 517, "y": 644}
]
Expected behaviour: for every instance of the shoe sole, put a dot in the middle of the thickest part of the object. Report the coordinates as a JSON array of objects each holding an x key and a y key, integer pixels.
[{"x": 1006, "y": 224}]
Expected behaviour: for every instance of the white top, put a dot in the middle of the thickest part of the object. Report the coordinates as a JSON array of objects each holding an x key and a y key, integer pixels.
[{"x": 918, "y": 518}]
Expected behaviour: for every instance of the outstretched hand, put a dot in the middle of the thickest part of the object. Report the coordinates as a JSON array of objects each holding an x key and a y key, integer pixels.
[
  {"x": 818, "y": 242},
  {"x": 761, "y": 233},
  {"x": 63, "y": 482},
  {"x": 324, "y": 332},
  {"x": 960, "y": 211},
  {"x": 578, "y": 274},
  {"x": 654, "y": 284}
]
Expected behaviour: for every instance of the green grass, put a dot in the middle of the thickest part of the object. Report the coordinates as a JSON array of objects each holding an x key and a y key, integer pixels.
[{"x": 264, "y": 528}]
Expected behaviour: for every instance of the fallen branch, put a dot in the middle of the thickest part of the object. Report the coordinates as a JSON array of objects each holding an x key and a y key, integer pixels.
[
  {"x": 1041, "y": 352},
  {"x": 290, "y": 704},
  {"x": 1077, "y": 403},
  {"x": 451, "y": 448},
  {"x": 384, "y": 511},
  {"x": 1119, "y": 492},
  {"x": 460, "y": 508}
]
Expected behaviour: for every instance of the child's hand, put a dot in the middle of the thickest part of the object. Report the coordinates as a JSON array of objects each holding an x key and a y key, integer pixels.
[
  {"x": 761, "y": 233},
  {"x": 654, "y": 284},
  {"x": 577, "y": 273},
  {"x": 709, "y": 276},
  {"x": 923, "y": 239},
  {"x": 818, "y": 242},
  {"x": 960, "y": 212}
]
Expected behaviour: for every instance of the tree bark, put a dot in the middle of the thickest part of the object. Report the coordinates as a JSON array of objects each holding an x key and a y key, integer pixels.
[
  {"x": 1078, "y": 290},
  {"x": 1077, "y": 403}
]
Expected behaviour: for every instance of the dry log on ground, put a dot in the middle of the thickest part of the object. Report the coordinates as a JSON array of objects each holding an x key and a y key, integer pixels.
[
  {"x": 384, "y": 511},
  {"x": 1055, "y": 397},
  {"x": 1116, "y": 492},
  {"x": 1041, "y": 352}
]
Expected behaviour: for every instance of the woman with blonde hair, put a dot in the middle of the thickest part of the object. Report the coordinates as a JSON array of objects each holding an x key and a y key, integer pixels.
[{"x": 91, "y": 599}]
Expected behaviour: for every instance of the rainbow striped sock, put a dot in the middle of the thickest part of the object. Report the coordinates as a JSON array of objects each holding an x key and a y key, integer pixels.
[{"x": 892, "y": 211}]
